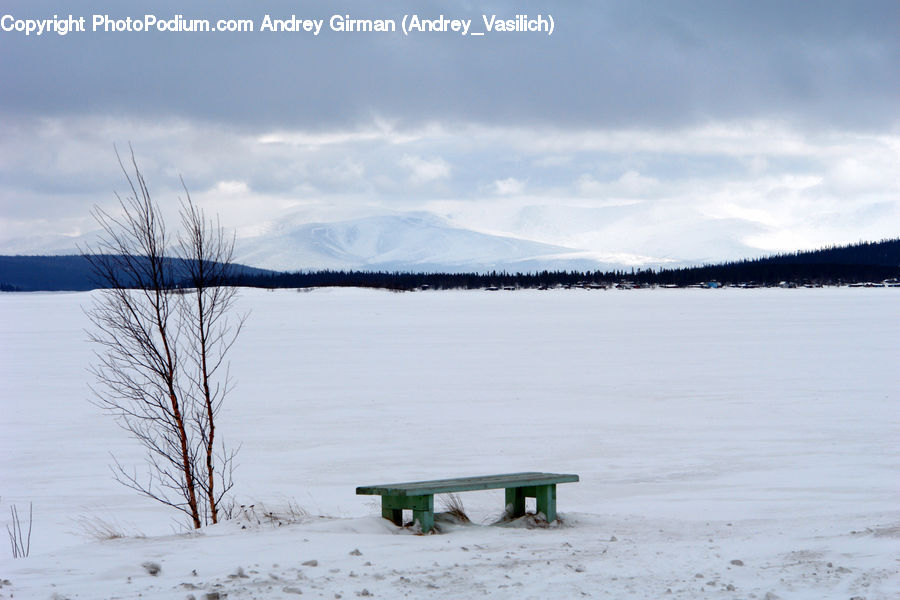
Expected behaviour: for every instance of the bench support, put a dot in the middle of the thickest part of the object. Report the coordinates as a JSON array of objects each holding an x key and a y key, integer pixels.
[
  {"x": 515, "y": 502},
  {"x": 392, "y": 507},
  {"x": 422, "y": 506},
  {"x": 544, "y": 495}
]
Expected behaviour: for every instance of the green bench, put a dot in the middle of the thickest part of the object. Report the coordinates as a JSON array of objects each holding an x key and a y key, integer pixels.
[{"x": 418, "y": 496}]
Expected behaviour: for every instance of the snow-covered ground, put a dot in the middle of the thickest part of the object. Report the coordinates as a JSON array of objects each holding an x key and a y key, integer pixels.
[{"x": 730, "y": 443}]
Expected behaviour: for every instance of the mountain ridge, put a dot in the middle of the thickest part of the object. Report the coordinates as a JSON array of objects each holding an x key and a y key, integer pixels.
[
  {"x": 415, "y": 241},
  {"x": 410, "y": 241}
]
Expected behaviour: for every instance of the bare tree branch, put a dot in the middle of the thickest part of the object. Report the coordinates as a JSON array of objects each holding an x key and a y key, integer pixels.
[{"x": 159, "y": 347}]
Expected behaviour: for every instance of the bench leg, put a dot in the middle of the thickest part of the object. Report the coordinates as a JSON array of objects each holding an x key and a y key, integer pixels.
[
  {"x": 422, "y": 507},
  {"x": 546, "y": 501},
  {"x": 423, "y": 512},
  {"x": 394, "y": 515},
  {"x": 515, "y": 502},
  {"x": 425, "y": 519}
]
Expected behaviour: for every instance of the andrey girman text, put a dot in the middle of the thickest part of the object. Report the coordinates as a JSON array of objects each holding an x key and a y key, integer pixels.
[{"x": 410, "y": 24}]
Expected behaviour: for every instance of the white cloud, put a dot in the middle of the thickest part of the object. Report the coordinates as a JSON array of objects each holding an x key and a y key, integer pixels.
[
  {"x": 231, "y": 187},
  {"x": 552, "y": 160},
  {"x": 378, "y": 132},
  {"x": 633, "y": 183},
  {"x": 587, "y": 185},
  {"x": 629, "y": 186},
  {"x": 508, "y": 187},
  {"x": 424, "y": 170}
]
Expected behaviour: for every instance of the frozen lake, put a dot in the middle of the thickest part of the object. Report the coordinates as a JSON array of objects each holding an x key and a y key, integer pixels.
[{"x": 773, "y": 413}]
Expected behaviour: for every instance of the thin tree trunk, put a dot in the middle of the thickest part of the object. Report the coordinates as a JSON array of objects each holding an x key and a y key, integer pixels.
[{"x": 186, "y": 464}]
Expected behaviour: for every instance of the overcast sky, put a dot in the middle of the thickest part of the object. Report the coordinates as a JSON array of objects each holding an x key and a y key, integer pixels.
[{"x": 685, "y": 130}]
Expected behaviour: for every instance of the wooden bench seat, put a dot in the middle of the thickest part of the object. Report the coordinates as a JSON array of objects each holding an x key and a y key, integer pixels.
[{"x": 418, "y": 496}]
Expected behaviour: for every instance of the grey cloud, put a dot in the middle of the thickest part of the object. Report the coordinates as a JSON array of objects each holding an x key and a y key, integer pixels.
[{"x": 608, "y": 64}]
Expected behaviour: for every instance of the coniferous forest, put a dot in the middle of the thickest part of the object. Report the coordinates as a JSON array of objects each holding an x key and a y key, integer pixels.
[{"x": 856, "y": 264}]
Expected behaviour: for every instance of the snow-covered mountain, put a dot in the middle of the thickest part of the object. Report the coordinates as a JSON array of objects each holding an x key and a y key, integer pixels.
[
  {"x": 417, "y": 241},
  {"x": 406, "y": 241}
]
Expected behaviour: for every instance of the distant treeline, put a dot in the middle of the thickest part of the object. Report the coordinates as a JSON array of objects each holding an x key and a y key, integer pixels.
[
  {"x": 68, "y": 273},
  {"x": 857, "y": 263},
  {"x": 837, "y": 265}
]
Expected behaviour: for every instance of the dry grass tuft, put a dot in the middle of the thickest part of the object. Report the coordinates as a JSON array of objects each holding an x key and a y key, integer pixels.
[
  {"x": 102, "y": 529},
  {"x": 257, "y": 514},
  {"x": 453, "y": 506}
]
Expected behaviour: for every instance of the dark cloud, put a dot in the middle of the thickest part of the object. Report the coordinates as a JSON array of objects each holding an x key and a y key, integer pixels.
[{"x": 608, "y": 64}]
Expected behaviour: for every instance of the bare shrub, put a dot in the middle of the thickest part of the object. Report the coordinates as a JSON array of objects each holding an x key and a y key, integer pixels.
[{"x": 19, "y": 540}]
